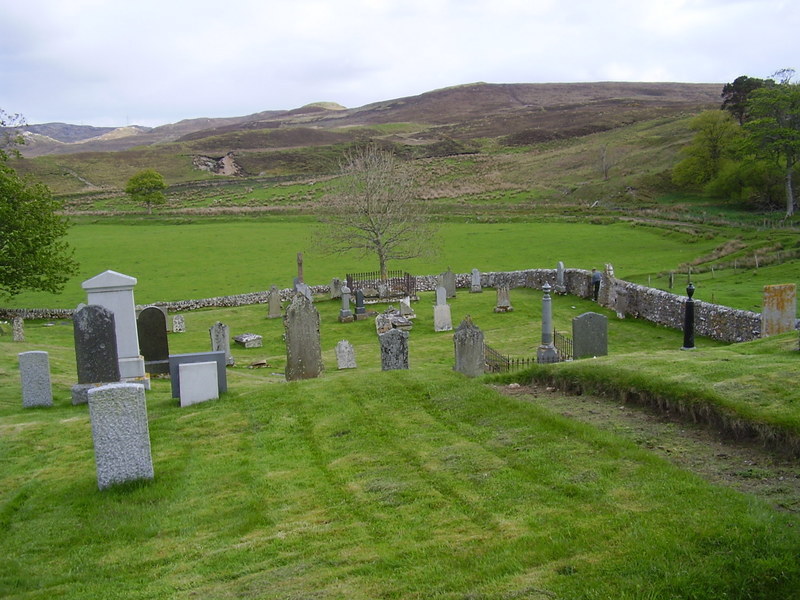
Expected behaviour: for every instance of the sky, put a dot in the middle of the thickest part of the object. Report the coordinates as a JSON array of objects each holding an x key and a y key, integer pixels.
[{"x": 153, "y": 62}]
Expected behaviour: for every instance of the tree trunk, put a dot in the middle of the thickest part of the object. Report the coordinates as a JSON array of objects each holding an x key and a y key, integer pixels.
[{"x": 789, "y": 191}]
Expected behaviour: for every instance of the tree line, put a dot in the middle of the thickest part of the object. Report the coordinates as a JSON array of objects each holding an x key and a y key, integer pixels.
[{"x": 747, "y": 150}]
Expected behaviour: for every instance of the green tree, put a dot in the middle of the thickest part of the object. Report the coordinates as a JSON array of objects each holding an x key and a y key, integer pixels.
[
  {"x": 33, "y": 254},
  {"x": 147, "y": 187},
  {"x": 715, "y": 142},
  {"x": 774, "y": 129},
  {"x": 736, "y": 95},
  {"x": 372, "y": 210}
]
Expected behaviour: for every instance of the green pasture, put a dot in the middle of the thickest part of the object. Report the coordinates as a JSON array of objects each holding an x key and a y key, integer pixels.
[
  {"x": 177, "y": 259},
  {"x": 370, "y": 484}
]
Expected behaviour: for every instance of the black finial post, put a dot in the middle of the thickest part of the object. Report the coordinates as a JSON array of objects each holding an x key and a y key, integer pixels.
[{"x": 688, "y": 320}]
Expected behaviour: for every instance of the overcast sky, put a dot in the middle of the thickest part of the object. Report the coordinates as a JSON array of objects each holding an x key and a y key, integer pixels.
[{"x": 152, "y": 62}]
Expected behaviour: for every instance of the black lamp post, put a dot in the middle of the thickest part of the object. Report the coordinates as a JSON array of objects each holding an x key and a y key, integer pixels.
[{"x": 688, "y": 320}]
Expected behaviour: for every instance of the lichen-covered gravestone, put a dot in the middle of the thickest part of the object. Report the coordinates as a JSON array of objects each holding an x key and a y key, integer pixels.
[
  {"x": 221, "y": 341},
  {"x": 469, "y": 349},
  {"x": 779, "y": 311},
  {"x": 475, "y": 282},
  {"x": 394, "y": 350},
  {"x": 274, "y": 300},
  {"x": 151, "y": 327},
  {"x": 34, "y": 374},
  {"x": 96, "y": 355},
  {"x": 178, "y": 324},
  {"x": 503, "y": 303},
  {"x": 345, "y": 355},
  {"x": 18, "y": 329},
  {"x": 303, "y": 350}
]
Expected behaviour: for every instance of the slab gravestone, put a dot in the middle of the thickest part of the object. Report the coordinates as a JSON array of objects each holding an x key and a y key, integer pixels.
[
  {"x": 503, "y": 300},
  {"x": 274, "y": 301},
  {"x": 345, "y": 355},
  {"x": 34, "y": 374},
  {"x": 336, "y": 288},
  {"x": 249, "y": 340},
  {"x": 560, "y": 287},
  {"x": 779, "y": 311},
  {"x": 151, "y": 326},
  {"x": 176, "y": 360},
  {"x": 589, "y": 335},
  {"x": 394, "y": 350},
  {"x": 221, "y": 341},
  {"x": 442, "y": 318},
  {"x": 469, "y": 349},
  {"x": 178, "y": 324},
  {"x": 96, "y": 357},
  {"x": 18, "y": 329},
  {"x": 475, "y": 282},
  {"x": 441, "y": 295},
  {"x": 198, "y": 382},
  {"x": 120, "y": 433},
  {"x": 303, "y": 350},
  {"x": 361, "y": 310},
  {"x": 448, "y": 279}
]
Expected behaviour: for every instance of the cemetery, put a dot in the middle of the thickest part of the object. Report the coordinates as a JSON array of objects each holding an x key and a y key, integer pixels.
[{"x": 134, "y": 406}]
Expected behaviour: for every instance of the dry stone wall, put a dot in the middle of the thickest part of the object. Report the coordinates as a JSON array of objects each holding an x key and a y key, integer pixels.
[{"x": 625, "y": 298}]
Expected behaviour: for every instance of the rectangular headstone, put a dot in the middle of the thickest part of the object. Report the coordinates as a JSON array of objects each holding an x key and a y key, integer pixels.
[
  {"x": 345, "y": 355},
  {"x": 449, "y": 283},
  {"x": 198, "y": 382},
  {"x": 95, "y": 344},
  {"x": 779, "y": 311},
  {"x": 303, "y": 350},
  {"x": 503, "y": 300},
  {"x": 151, "y": 327},
  {"x": 221, "y": 340},
  {"x": 469, "y": 349},
  {"x": 394, "y": 350},
  {"x": 120, "y": 433},
  {"x": 178, "y": 324},
  {"x": 475, "y": 282},
  {"x": 274, "y": 301},
  {"x": 441, "y": 295},
  {"x": 34, "y": 374},
  {"x": 175, "y": 360},
  {"x": 18, "y": 329},
  {"x": 442, "y": 319},
  {"x": 589, "y": 335}
]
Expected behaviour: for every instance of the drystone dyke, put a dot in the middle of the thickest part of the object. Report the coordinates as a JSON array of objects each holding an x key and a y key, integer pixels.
[{"x": 629, "y": 299}]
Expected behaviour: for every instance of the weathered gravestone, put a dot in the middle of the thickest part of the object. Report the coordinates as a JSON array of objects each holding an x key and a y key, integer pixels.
[
  {"x": 779, "y": 311},
  {"x": 345, "y": 314},
  {"x": 115, "y": 292},
  {"x": 475, "y": 282},
  {"x": 221, "y": 341},
  {"x": 34, "y": 374},
  {"x": 274, "y": 300},
  {"x": 18, "y": 329},
  {"x": 336, "y": 288},
  {"x": 469, "y": 349},
  {"x": 383, "y": 323},
  {"x": 198, "y": 382},
  {"x": 441, "y": 295},
  {"x": 589, "y": 335},
  {"x": 503, "y": 300},
  {"x": 442, "y": 318},
  {"x": 394, "y": 350},
  {"x": 405, "y": 308},
  {"x": 303, "y": 350},
  {"x": 302, "y": 288},
  {"x": 345, "y": 355},
  {"x": 176, "y": 360},
  {"x": 120, "y": 433},
  {"x": 249, "y": 340},
  {"x": 178, "y": 324},
  {"x": 96, "y": 355},
  {"x": 151, "y": 326},
  {"x": 448, "y": 281},
  {"x": 560, "y": 287},
  {"x": 361, "y": 310}
]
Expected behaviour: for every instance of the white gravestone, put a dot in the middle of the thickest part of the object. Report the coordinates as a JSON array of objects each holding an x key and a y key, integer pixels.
[{"x": 198, "y": 382}]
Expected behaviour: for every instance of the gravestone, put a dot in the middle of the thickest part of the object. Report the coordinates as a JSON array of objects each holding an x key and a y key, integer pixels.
[
  {"x": 503, "y": 300},
  {"x": 361, "y": 310},
  {"x": 274, "y": 300},
  {"x": 779, "y": 311},
  {"x": 441, "y": 295},
  {"x": 198, "y": 382},
  {"x": 120, "y": 433},
  {"x": 336, "y": 288},
  {"x": 221, "y": 341},
  {"x": 249, "y": 340},
  {"x": 34, "y": 374},
  {"x": 151, "y": 326},
  {"x": 405, "y": 308},
  {"x": 394, "y": 350},
  {"x": 18, "y": 329},
  {"x": 176, "y": 360},
  {"x": 303, "y": 288},
  {"x": 299, "y": 268},
  {"x": 448, "y": 279},
  {"x": 303, "y": 350},
  {"x": 383, "y": 323},
  {"x": 589, "y": 335},
  {"x": 96, "y": 356},
  {"x": 345, "y": 355},
  {"x": 560, "y": 287},
  {"x": 469, "y": 349},
  {"x": 345, "y": 314},
  {"x": 383, "y": 289},
  {"x": 475, "y": 282},
  {"x": 442, "y": 319},
  {"x": 115, "y": 291},
  {"x": 178, "y": 324}
]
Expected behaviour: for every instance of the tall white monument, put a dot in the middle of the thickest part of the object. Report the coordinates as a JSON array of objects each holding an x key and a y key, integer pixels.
[{"x": 114, "y": 291}]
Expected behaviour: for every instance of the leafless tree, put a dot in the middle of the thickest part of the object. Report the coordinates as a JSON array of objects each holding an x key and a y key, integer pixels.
[
  {"x": 607, "y": 161},
  {"x": 372, "y": 210}
]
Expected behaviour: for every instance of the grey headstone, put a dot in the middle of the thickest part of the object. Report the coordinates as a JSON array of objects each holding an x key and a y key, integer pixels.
[
  {"x": 589, "y": 335},
  {"x": 469, "y": 349},
  {"x": 405, "y": 308},
  {"x": 560, "y": 287},
  {"x": 441, "y": 295},
  {"x": 176, "y": 360},
  {"x": 303, "y": 350},
  {"x": 274, "y": 300},
  {"x": 336, "y": 288},
  {"x": 34, "y": 374},
  {"x": 394, "y": 350},
  {"x": 442, "y": 319},
  {"x": 383, "y": 323},
  {"x": 302, "y": 288},
  {"x": 221, "y": 340},
  {"x": 120, "y": 433},
  {"x": 95, "y": 345},
  {"x": 249, "y": 340},
  {"x": 503, "y": 300},
  {"x": 151, "y": 326},
  {"x": 345, "y": 355},
  {"x": 18, "y": 329},
  {"x": 475, "y": 282},
  {"x": 345, "y": 314},
  {"x": 449, "y": 283},
  {"x": 178, "y": 324}
]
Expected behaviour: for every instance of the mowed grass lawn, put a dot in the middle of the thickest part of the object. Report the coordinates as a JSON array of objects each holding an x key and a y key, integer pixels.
[
  {"x": 366, "y": 484},
  {"x": 215, "y": 257}
]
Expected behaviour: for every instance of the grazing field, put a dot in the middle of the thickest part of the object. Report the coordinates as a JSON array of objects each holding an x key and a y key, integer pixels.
[{"x": 371, "y": 484}]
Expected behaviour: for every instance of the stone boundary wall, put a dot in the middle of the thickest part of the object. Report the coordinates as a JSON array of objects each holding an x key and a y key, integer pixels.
[{"x": 625, "y": 298}]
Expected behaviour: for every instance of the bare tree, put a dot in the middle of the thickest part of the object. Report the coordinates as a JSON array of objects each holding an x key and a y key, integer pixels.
[
  {"x": 372, "y": 210},
  {"x": 607, "y": 160}
]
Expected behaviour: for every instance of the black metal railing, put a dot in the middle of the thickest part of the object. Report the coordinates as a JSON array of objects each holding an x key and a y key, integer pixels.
[
  {"x": 563, "y": 344},
  {"x": 397, "y": 283}
]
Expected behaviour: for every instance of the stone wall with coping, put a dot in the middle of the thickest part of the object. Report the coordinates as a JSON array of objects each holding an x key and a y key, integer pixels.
[{"x": 625, "y": 298}]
